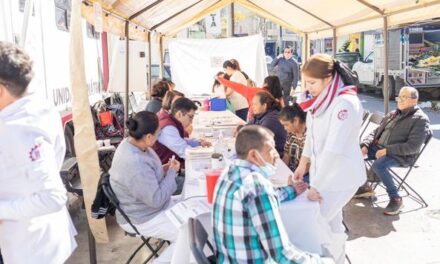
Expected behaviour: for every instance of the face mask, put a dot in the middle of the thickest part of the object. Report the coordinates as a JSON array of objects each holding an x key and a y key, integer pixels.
[{"x": 267, "y": 169}]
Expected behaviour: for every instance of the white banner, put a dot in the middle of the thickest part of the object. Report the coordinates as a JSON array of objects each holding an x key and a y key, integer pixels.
[
  {"x": 213, "y": 23},
  {"x": 195, "y": 62}
]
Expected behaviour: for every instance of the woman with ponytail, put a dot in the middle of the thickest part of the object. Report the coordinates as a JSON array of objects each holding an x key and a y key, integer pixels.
[
  {"x": 143, "y": 186},
  {"x": 332, "y": 143},
  {"x": 266, "y": 111}
]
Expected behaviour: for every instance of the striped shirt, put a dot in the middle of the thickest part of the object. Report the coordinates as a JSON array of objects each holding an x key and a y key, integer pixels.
[{"x": 246, "y": 219}]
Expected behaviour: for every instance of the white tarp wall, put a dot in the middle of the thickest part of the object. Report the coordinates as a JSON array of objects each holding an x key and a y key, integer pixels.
[
  {"x": 194, "y": 62},
  {"x": 138, "y": 67}
]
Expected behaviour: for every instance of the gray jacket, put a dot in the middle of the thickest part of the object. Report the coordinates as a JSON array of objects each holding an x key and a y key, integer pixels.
[
  {"x": 287, "y": 72},
  {"x": 406, "y": 136},
  {"x": 138, "y": 180}
]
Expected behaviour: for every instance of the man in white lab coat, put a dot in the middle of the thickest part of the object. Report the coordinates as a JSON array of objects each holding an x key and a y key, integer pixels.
[{"x": 35, "y": 226}]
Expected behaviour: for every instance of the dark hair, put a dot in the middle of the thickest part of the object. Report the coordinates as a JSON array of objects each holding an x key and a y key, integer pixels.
[
  {"x": 274, "y": 86},
  {"x": 169, "y": 97},
  {"x": 143, "y": 123},
  {"x": 16, "y": 68},
  {"x": 266, "y": 98},
  {"x": 215, "y": 80},
  {"x": 160, "y": 89},
  {"x": 229, "y": 64},
  {"x": 184, "y": 105},
  {"x": 251, "y": 137},
  {"x": 237, "y": 65},
  {"x": 289, "y": 113},
  {"x": 319, "y": 66},
  {"x": 168, "y": 81}
]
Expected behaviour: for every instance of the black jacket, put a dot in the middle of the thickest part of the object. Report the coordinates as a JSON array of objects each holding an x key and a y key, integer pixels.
[
  {"x": 407, "y": 136},
  {"x": 270, "y": 120}
]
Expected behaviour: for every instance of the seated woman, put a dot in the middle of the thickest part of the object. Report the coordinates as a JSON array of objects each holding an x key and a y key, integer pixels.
[
  {"x": 142, "y": 185},
  {"x": 266, "y": 111},
  {"x": 158, "y": 92},
  {"x": 169, "y": 99},
  {"x": 293, "y": 118}
]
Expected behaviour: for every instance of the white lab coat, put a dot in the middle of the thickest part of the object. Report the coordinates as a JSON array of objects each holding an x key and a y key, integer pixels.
[
  {"x": 332, "y": 144},
  {"x": 35, "y": 226},
  {"x": 337, "y": 168}
]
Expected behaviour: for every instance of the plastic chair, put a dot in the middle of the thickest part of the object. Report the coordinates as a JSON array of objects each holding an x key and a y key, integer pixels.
[
  {"x": 198, "y": 238},
  {"x": 108, "y": 191}
]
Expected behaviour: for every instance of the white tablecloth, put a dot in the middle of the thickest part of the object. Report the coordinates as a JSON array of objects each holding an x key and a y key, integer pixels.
[{"x": 301, "y": 217}]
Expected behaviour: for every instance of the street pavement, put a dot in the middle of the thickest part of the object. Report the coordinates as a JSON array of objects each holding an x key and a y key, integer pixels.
[
  {"x": 414, "y": 235},
  {"x": 373, "y": 238}
]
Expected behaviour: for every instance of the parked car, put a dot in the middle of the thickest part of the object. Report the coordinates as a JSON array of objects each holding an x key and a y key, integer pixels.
[{"x": 349, "y": 58}]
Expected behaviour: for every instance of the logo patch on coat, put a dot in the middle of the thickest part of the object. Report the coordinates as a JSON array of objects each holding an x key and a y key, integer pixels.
[
  {"x": 343, "y": 114},
  {"x": 35, "y": 153}
]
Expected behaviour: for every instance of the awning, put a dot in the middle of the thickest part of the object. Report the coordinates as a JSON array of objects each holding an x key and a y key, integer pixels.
[{"x": 317, "y": 18}]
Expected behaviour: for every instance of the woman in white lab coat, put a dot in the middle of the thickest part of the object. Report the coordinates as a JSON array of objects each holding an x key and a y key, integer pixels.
[
  {"x": 35, "y": 226},
  {"x": 332, "y": 143}
]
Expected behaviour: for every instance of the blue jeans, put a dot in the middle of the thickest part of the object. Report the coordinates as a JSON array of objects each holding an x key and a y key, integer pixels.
[{"x": 380, "y": 167}]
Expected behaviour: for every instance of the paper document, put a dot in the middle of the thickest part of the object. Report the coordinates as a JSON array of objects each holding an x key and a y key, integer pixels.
[{"x": 181, "y": 212}]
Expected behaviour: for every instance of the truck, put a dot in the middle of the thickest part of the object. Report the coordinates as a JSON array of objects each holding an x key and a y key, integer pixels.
[{"x": 413, "y": 60}]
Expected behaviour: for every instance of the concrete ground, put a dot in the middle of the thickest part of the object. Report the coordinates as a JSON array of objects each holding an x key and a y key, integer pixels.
[{"x": 411, "y": 237}]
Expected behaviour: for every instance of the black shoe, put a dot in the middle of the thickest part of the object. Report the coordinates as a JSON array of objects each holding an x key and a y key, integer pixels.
[
  {"x": 394, "y": 206},
  {"x": 364, "y": 192}
]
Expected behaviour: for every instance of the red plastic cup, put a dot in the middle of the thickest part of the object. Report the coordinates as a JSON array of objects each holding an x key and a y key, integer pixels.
[{"x": 211, "y": 180}]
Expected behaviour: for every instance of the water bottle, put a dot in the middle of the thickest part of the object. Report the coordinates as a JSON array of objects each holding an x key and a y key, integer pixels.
[{"x": 221, "y": 145}]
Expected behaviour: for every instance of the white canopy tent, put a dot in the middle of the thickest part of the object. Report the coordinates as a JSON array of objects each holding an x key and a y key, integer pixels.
[{"x": 313, "y": 19}]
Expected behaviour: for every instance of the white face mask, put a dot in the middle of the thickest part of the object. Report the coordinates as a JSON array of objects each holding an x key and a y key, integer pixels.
[{"x": 267, "y": 169}]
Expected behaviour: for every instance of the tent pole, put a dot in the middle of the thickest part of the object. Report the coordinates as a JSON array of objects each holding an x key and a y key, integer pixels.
[
  {"x": 334, "y": 43},
  {"x": 161, "y": 57},
  {"x": 149, "y": 63},
  {"x": 127, "y": 70},
  {"x": 385, "y": 65}
]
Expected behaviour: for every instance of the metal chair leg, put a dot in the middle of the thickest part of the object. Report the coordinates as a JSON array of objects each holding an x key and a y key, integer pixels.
[{"x": 92, "y": 247}]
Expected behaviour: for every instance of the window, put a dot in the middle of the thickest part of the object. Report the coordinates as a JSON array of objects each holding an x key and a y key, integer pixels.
[
  {"x": 91, "y": 33},
  {"x": 62, "y": 14}
]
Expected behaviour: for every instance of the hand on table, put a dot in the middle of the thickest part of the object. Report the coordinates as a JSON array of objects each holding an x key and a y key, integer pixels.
[
  {"x": 314, "y": 195},
  {"x": 205, "y": 143}
]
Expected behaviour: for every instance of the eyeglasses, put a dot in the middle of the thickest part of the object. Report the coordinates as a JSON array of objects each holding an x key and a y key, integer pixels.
[
  {"x": 403, "y": 98},
  {"x": 190, "y": 116},
  {"x": 287, "y": 52}
]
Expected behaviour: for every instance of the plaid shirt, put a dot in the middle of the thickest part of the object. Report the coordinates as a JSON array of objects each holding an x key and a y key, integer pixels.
[
  {"x": 246, "y": 219},
  {"x": 293, "y": 148}
]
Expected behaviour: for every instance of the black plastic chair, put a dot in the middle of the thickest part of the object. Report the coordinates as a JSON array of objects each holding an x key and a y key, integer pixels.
[
  {"x": 374, "y": 118},
  {"x": 108, "y": 191},
  {"x": 198, "y": 239}
]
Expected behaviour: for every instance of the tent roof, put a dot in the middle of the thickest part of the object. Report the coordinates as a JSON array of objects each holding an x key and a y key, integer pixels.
[{"x": 317, "y": 18}]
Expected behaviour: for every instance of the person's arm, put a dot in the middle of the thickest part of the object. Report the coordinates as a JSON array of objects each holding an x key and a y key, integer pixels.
[
  {"x": 275, "y": 62},
  {"x": 285, "y": 193},
  {"x": 145, "y": 186},
  {"x": 170, "y": 137},
  {"x": 237, "y": 87},
  {"x": 43, "y": 175},
  {"x": 416, "y": 137},
  {"x": 266, "y": 220},
  {"x": 295, "y": 74}
]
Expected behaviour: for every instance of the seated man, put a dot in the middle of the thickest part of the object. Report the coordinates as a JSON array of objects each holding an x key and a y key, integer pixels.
[
  {"x": 246, "y": 219},
  {"x": 171, "y": 141},
  {"x": 395, "y": 142}
]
